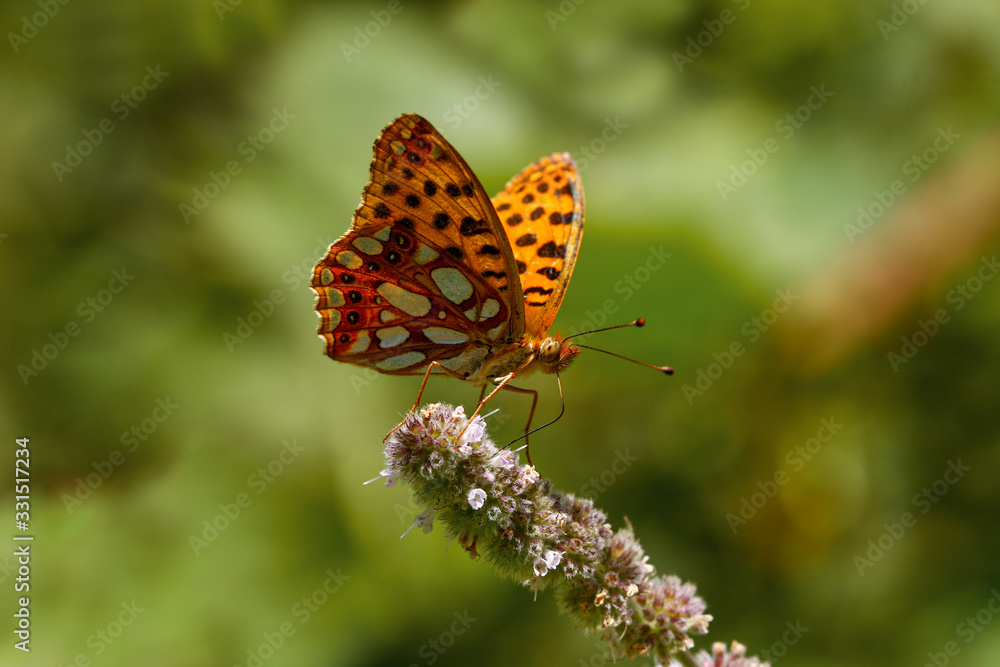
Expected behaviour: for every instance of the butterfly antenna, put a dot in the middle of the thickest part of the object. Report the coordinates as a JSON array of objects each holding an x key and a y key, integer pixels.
[
  {"x": 638, "y": 322},
  {"x": 663, "y": 369}
]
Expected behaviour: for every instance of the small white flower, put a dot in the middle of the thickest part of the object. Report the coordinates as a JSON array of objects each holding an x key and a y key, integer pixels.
[
  {"x": 477, "y": 497},
  {"x": 548, "y": 561},
  {"x": 474, "y": 432},
  {"x": 505, "y": 459}
]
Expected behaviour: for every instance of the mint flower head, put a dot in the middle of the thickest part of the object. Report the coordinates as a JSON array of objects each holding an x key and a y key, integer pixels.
[
  {"x": 720, "y": 657},
  {"x": 508, "y": 515}
]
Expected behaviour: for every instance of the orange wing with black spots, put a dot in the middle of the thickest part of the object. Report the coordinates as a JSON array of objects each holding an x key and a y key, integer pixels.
[
  {"x": 542, "y": 212},
  {"x": 426, "y": 272}
]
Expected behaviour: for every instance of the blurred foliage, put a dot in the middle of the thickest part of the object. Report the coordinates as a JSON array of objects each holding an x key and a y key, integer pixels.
[{"x": 560, "y": 73}]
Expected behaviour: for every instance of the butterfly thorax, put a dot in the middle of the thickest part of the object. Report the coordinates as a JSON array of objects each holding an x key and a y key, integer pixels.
[{"x": 531, "y": 353}]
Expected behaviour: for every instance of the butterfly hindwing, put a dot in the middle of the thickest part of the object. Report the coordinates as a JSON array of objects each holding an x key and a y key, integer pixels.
[
  {"x": 542, "y": 213},
  {"x": 425, "y": 273}
]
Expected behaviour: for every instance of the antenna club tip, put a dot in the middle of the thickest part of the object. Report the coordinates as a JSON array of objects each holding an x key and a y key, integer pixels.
[
  {"x": 640, "y": 322},
  {"x": 667, "y": 369}
]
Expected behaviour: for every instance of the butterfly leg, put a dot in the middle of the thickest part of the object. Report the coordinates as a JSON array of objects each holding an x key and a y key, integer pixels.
[
  {"x": 531, "y": 414},
  {"x": 427, "y": 376},
  {"x": 527, "y": 432},
  {"x": 501, "y": 383}
]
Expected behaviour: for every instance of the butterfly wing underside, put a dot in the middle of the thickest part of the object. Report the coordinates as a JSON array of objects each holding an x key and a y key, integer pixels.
[
  {"x": 542, "y": 213},
  {"x": 425, "y": 273}
]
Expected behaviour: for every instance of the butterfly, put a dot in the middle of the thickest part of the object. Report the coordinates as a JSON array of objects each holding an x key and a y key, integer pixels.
[{"x": 435, "y": 277}]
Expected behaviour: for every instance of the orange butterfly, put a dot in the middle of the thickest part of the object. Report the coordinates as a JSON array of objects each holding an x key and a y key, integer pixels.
[{"x": 434, "y": 276}]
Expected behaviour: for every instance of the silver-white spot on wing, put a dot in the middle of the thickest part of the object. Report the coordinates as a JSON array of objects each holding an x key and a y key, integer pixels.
[
  {"x": 490, "y": 308},
  {"x": 331, "y": 322},
  {"x": 445, "y": 336},
  {"x": 424, "y": 254},
  {"x": 349, "y": 260},
  {"x": 391, "y": 336},
  {"x": 416, "y": 305},
  {"x": 360, "y": 344},
  {"x": 334, "y": 297},
  {"x": 401, "y": 361},
  {"x": 455, "y": 286},
  {"x": 367, "y": 245}
]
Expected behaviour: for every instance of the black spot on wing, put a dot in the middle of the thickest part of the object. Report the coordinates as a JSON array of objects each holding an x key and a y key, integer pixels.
[
  {"x": 550, "y": 249},
  {"x": 470, "y": 227},
  {"x": 549, "y": 272}
]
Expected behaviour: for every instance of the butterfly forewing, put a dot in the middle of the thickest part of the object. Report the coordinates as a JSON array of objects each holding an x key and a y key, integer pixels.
[
  {"x": 425, "y": 273},
  {"x": 542, "y": 213}
]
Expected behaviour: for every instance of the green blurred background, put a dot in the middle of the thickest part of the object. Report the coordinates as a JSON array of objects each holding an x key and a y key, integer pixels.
[{"x": 699, "y": 158}]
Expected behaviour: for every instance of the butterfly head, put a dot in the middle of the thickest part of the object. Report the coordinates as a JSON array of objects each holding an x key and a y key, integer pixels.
[{"x": 555, "y": 354}]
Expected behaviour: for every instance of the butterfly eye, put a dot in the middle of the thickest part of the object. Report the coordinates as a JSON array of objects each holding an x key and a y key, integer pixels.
[{"x": 548, "y": 351}]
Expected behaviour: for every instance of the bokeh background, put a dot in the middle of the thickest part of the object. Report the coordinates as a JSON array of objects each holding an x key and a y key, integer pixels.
[{"x": 171, "y": 172}]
